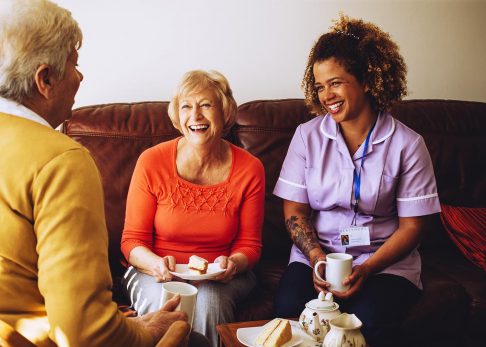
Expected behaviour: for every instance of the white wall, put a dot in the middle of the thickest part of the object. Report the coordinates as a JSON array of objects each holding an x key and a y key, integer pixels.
[{"x": 137, "y": 50}]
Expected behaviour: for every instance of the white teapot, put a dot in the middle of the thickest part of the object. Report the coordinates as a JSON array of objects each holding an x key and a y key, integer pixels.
[{"x": 314, "y": 320}]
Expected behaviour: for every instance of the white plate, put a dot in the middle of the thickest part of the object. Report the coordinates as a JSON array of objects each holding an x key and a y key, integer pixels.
[
  {"x": 247, "y": 336},
  {"x": 182, "y": 271}
]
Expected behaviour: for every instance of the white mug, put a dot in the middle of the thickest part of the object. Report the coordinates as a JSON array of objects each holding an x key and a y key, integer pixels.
[
  {"x": 338, "y": 267},
  {"x": 188, "y": 295}
]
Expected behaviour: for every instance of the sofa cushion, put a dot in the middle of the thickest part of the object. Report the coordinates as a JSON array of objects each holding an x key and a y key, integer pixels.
[
  {"x": 451, "y": 264},
  {"x": 440, "y": 313},
  {"x": 467, "y": 228}
]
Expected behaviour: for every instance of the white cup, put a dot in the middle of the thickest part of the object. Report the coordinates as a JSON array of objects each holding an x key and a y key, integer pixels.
[
  {"x": 188, "y": 295},
  {"x": 338, "y": 267}
]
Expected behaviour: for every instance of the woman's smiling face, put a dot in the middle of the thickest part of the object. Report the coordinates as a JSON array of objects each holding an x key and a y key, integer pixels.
[
  {"x": 339, "y": 92},
  {"x": 201, "y": 117}
]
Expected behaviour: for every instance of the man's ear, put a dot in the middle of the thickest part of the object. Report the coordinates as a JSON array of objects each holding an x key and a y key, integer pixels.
[{"x": 43, "y": 80}]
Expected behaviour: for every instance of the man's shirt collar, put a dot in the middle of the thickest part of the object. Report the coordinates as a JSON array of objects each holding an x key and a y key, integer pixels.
[{"x": 15, "y": 109}]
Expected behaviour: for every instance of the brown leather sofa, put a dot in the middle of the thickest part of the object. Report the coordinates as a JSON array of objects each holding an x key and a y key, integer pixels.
[{"x": 452, "y": 308}]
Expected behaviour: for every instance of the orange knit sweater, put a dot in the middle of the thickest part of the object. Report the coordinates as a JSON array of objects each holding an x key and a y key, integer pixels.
[{"x": 171, "y": 216}]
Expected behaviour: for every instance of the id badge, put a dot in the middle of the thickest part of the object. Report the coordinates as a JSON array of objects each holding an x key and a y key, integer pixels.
[{"x": 355, "y": 236}]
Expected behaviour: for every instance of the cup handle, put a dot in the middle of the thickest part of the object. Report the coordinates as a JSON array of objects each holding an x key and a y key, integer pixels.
[{"x": 316, "y": 268}]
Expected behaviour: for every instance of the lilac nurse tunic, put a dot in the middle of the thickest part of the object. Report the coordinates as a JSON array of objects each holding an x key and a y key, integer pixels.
[{"x": 397, "y": 180}]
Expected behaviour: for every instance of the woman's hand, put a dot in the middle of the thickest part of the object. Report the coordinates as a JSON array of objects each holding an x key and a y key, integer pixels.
[
  {"x": 319, "y": 286},
  {"x": 400, "y": 243},
  {"x": 161, "y": 269},
  {"x": 355, "y": 281},
  {"x": 230, "y": 266}
]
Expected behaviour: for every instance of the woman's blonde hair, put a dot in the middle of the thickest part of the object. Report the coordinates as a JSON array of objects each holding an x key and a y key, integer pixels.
[
  {"x": 33, "y": 32},
  {"x": 198, "y": 80}
]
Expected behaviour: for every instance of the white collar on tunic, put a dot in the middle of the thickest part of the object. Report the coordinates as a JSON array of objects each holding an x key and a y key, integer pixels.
[
  {"x": 384, "y": 128},
  {"x": 15, "y": 109}
]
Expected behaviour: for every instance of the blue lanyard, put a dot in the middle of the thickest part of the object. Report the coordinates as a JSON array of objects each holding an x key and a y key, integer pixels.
[{"x": 357, "y": 176}]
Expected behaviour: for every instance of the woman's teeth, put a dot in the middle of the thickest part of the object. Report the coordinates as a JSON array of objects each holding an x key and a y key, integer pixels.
[
  {"x": 335, "y": 107},
  {"x": 198, "y": 127}
]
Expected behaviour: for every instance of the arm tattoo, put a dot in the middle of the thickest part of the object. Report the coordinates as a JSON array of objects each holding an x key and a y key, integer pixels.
[{"x": 302, "y": 233}]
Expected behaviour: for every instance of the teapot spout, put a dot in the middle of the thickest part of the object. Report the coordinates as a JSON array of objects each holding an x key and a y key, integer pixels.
[{"x": 316, "y": 329}]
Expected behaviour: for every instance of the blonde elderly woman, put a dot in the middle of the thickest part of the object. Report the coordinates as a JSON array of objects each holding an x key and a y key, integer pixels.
[
  {"x": 195, "y": 195},
  {"x": 54, "y": 274}
]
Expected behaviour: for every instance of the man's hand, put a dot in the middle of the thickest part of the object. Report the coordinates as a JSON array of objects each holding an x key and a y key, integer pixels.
[{"x": 157, "y": 323}]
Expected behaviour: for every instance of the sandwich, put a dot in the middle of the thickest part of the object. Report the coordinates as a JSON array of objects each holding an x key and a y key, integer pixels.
[
  {"x": 197, "y": 265},
  {"x": 275, "y": 333}
]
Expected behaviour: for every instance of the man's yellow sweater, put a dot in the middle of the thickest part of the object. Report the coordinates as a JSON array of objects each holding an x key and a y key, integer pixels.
[{"x": 54, "y": 275}]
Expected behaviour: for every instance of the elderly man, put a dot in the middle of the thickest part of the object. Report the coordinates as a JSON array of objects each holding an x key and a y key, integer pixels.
[{"x": 54, "y": 274}]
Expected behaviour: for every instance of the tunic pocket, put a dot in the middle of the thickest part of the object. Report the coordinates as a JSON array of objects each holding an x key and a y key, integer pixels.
[
  {"x": 387, "y": 196},
  {"x": 322, "y": 188}
]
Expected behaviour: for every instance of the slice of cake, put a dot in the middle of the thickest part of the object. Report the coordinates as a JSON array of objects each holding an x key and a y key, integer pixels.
[
  {"x": 275, "y": 333},
  {"x": 197, "y": 265}
]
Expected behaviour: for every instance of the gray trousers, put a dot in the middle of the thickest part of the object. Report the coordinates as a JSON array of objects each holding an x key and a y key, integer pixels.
[{"x": 216, "y": 302}]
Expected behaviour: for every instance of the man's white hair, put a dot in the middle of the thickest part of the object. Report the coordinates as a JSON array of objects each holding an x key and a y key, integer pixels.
[{"x": 33, "y": 32}]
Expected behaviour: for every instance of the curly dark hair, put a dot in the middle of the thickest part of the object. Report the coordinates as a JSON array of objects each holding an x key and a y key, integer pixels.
[{"x": 367, "y": 53}]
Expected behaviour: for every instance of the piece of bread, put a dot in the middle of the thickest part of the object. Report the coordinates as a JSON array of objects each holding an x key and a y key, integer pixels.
[
  {"x": 276, "y": 333},
  {"x": 198, "y": 264}
]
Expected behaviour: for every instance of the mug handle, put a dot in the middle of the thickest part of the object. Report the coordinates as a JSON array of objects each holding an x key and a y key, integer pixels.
[{"x": 316, "y": 267}]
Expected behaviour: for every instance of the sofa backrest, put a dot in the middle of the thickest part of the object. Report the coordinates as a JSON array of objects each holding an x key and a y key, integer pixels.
[
  {"x": 116, "y": 134},
  {"x": 454, "y": 132},
  {"x": 264, "y": 128}
]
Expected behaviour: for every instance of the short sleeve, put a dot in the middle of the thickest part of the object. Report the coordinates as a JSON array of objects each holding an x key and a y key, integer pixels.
[
  {"x": 291, "y": 184},
  {"x": 417, "y": 189}
]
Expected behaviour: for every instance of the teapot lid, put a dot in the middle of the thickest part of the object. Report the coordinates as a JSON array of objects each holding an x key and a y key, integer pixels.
[{"x": 323, "y": 303}]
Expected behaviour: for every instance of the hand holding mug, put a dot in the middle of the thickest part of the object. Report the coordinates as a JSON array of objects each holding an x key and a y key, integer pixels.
[
  {"x": 319, "y": 284},
  {"x": 338, "y": 267},
  {"x": 187, "y": 293},
  {"x": 157, "y": 323},
  {"x": 355, "y": 280}
]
